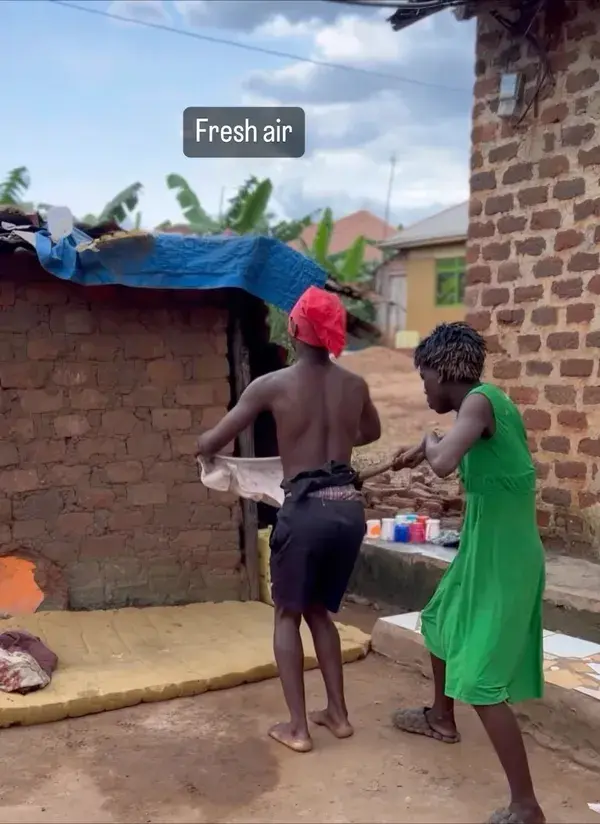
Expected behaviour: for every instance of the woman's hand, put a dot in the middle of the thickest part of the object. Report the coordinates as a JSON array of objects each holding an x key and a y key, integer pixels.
[
  {"x": 409, "y": 457},
  {"x": 432, "y": 439}
]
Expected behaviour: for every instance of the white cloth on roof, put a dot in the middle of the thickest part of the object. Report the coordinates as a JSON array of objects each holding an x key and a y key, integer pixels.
[{"x": 258, "y": 479}]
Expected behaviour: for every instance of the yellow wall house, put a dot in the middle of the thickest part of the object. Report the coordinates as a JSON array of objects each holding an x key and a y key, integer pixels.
[{"x": 422, "y": 282}]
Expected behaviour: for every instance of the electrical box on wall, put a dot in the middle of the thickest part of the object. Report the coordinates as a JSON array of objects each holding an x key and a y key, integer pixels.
[{"x": 511, "y": 92}]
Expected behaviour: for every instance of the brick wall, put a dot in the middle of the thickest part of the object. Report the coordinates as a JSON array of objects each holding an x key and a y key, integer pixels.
[
  {"x": 104, "y": 392},
  {"x": 533, "y": 255}
]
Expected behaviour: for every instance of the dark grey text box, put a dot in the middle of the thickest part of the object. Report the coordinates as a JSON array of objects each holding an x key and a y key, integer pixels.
[{"x": 244, "y": 131}]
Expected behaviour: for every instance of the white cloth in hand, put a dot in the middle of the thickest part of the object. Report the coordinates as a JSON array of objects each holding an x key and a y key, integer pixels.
[{"x": 257, "y": 479}]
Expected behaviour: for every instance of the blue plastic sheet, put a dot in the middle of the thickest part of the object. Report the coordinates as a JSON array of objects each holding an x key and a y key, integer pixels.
[{"x": 262, "y": 266}]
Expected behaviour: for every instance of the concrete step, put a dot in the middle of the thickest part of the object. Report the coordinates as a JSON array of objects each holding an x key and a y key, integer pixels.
[
  {"x": 405, "y": 576},
  {"x": 566, "y": 719}
]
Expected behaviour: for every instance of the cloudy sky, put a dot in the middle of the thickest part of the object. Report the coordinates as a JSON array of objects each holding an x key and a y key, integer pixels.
[{"x": 97, "y": 103}]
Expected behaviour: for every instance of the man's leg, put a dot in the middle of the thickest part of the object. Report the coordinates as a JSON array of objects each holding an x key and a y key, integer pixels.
[
  {"x": 329, "y": 655},
  {"x": 289, "y": 655},
  {"x": 504, "y": 733},
  {"x": 437, "y": 722}
]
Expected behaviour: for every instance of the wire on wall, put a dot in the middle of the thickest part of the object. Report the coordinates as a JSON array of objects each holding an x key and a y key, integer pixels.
[{"x": 526, "y": 27}]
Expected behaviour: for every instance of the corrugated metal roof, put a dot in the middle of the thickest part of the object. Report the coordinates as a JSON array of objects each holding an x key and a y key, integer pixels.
[{"x": 451, "y": 223}]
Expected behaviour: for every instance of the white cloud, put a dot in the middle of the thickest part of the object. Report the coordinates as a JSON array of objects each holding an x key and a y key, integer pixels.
[
  {"x": 193, "y": 12},
  {"x": 355, "y": 40},
  {"x": 249, "y": 16},
  {"x": 352, "y": 130},
  {"x": 280, "y": 26},
  {"x": 147, "y": 11},
  {"x": 355, "y": 122}
]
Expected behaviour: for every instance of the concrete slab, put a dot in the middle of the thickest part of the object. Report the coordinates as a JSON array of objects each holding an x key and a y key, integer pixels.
[
  {"x": 568, "y": 716},
  {"x": 406, "y": 575},
  {"x": 118, "y": 658}
]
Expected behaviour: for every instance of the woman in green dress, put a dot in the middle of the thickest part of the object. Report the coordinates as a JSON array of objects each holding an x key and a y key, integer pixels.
[{"x": 483, "y": 626}]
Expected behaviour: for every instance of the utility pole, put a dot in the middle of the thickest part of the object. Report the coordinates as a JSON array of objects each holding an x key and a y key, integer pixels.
[{"x": 390, "y": 188}]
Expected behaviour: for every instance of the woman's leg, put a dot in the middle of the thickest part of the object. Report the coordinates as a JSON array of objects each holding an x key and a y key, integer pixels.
[
  {"x": 435, "y": 722},
  {"x": 441, "y": 715},
  {"x": 503, "y": 730}
]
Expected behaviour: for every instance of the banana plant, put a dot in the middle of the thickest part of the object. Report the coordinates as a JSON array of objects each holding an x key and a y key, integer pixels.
[
  {"x": 193, "y": 212},
  {"x": 248, "y": 212},
  {"x": 119, "y": 209},
  {"x": 122, "y": 205},
  {"x": 14, "y": 186},
  {"x": 348, "y": 266}
]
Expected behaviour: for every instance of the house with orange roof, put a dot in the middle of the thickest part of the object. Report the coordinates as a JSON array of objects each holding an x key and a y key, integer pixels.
[{"x": 347, "y": 229}]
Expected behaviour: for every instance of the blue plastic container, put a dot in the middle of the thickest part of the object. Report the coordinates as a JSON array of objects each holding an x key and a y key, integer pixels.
[{"x": 402, "y": 533}]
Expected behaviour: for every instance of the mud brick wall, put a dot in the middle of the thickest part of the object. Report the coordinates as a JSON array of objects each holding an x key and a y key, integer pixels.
[
  {"x": 533, "y": 254},
  {"x": 104, "y": 392}
]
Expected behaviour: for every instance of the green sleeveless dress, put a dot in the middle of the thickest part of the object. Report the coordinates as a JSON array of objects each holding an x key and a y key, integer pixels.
[{"x": 485, "y": 619}]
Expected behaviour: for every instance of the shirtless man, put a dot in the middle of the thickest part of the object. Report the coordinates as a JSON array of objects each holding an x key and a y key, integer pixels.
[{"x": 321, "y": 412}]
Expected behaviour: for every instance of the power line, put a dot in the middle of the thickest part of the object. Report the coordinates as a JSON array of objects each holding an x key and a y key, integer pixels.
[{"x": 247, "y": 47}]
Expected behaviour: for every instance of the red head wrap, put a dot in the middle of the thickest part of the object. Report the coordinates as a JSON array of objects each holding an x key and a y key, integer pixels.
[{"x": 319, "y": 319}]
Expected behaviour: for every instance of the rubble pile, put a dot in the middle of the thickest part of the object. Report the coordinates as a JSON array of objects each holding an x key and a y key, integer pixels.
[{"x": 416, "y": 490}]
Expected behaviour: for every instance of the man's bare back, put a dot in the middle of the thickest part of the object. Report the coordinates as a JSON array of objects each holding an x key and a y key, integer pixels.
[{"x": 321, "y": 411}]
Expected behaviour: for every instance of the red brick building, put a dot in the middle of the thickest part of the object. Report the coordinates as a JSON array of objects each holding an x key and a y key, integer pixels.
[
  {"x": 534, "y": 243},
  {"x": 104, "y": 391}
]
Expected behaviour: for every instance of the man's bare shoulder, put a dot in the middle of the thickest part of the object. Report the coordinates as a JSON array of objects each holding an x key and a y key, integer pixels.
[
  {"x": 267, "y": 382},
  {"x": 352, "y": 377}
]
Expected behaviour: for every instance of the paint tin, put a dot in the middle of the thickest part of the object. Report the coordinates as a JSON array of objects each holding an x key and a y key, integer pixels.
[
  {"x": 417, "y": 533},
  {"x": 374, "y": 529},
  {"x": 402, "y": 533},
  {"x": 387, "y": 529},
  {"x": 432, "y": 530}
]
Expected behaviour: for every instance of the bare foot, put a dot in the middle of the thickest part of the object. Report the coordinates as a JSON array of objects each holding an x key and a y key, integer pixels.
[
  {"x": 284, "y": 735},
  {"x": 341, "y": 729}
]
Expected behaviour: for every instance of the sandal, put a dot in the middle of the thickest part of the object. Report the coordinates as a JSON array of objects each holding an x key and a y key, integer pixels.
[
  {"x": 507, "y": 816},
  {"x": 416, "y": 722}
]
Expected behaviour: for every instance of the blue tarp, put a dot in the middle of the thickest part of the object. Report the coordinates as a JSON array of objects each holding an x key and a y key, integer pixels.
[{"x": 262, "y": 266}]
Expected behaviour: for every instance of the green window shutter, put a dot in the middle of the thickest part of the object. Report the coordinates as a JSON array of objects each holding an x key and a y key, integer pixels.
[{"x": 449, "y": 281}]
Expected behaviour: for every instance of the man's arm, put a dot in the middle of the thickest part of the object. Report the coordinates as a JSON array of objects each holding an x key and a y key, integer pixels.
[
  {"x": 254, "y": 400},
  {"x": 474, "y": 418},
  {"x": 369, "y": 428}
]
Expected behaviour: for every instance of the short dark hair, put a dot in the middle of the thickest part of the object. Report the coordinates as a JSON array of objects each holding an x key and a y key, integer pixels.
[{"x": 455, "y": 351}]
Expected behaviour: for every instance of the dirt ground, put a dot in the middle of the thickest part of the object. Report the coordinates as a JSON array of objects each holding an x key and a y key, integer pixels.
[
  {"x": 207, "y": 759},
  {"x": 397, "y": 392}
]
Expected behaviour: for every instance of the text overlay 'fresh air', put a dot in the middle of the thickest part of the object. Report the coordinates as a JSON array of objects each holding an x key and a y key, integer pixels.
[{"x": 244, "y": 131}]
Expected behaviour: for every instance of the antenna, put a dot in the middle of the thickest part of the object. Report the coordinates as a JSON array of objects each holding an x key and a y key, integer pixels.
[{"x": 389, "y": 191}]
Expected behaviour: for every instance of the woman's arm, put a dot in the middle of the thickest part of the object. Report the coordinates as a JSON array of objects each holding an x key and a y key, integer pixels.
[{"x": 474, "y": 418}]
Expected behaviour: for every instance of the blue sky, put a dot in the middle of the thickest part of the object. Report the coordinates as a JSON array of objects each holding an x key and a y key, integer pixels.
[{"x": 97, "y": 104}]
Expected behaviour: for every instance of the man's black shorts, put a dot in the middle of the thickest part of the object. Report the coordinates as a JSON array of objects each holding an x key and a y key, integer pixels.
[{"x": 314, "y": 547}]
